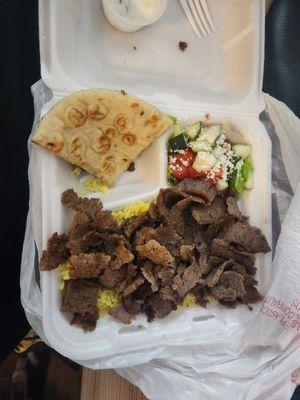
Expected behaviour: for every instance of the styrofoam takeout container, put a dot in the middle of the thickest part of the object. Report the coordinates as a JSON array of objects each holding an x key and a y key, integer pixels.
[{"x": 220, "y": 75}]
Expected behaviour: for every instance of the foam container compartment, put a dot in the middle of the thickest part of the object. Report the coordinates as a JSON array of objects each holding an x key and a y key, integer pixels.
[{"x": 220, "y": 75}]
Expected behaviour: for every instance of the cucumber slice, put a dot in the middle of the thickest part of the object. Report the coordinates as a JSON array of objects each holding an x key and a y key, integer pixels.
[
  {"x": 249, "y": 183},
  {"x": 210, "y": 134},
  {"x": 241, "y": 150},
  {"x": 177, "y": 143},
  {"x": 177, "y": 130},
  {"x": 237, "y": 182},
  {"x": 193, "y": 131},
  {"x": 204, "y": 161},
  {"x": 197, "y": 146},
  {"x": 222, "y": 185},
  {"x": 247, "y": 168}
]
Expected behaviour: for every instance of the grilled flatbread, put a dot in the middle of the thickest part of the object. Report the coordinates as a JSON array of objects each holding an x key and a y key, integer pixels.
[{"x": 101, "y": 131}]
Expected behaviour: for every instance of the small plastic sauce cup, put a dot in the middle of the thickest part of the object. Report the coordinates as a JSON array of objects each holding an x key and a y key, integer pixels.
[{"x": 124, "y": 24}]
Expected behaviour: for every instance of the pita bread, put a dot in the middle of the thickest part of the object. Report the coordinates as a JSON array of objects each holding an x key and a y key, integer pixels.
[{"x": 101, "y": 131}]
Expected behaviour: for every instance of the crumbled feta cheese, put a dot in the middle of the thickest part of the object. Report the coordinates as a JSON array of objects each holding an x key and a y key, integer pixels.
[
  {"x": 204, "y": 161},
  {"x": 221, "y": 139}
]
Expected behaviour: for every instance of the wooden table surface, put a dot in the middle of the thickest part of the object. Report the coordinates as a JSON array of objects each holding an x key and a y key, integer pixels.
[{"x": 107, "y": 385}]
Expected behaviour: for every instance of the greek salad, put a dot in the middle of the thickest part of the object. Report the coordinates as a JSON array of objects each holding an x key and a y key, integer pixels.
[{"x": 204, "y": 151}]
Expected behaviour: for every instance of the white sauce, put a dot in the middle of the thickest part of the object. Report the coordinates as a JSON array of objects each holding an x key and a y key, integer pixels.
[{"x": 136, "y": 10}]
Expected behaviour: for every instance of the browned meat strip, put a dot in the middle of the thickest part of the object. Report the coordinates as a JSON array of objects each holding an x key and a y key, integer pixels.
[
  {"x": 87, "y": 321},
  {"x": 147, "y": 271},
  {"x": 251, "y": 296},
  {"x": 168, "y": 237},
  {"x": 186, "y": 251},
  {"x": 70, "y": 199},
  {"x": 103, "y": 221},
  {"x": 80, "y": 297},
  {"x": 131, "y": 270},
  {"x": 80, "y": 225},
  {"x": 88, "y": 265},
  {"x": 212, "y": 214},
  {"x": 133, "y": 306},
  {"x": 119, "y": 312},
  {"x": 168, "y": 293},
  {"x": 143, "y": 292},
  {"x": 131, "y": 273},
  {"x": 189, "y": 278},
  {"x": 155, "y": 307},
  {"x": 133, "y": 285},
  {"x": 223, "y": 293},
  {"x": 153, "y": 212},
  {"x": 111, "y": 242},
  {"x": 201, "y": 294},
  {"x": 249, "y": 238},
  {"x": 233, "y": 209},
  {"x": 230, "y": 286},
  {"x": 249, "y": 280},
  {"x": 85, "y": 243},
  {"x": 220, "y": 247},
  {"x": 213, "y": 278},
  {"x": 234, "y": 280},
  {"x": 190, "y": 240},
  {"x": 207, "y": 263},
  {"x": 165, "y": 275},
  {"x": 56, "y": 252},
  {"x": 134, "y": 223},
  {"x": 165, "y": 200},
  {"x": 180, "y": 215},
  {"x": 156, "y": 253},
  {"x": 121, "y": 256},
  {"x": 111, "y": 278},
  {"x": 199, "y": 189},
  {"x": 144, "y": 235}
]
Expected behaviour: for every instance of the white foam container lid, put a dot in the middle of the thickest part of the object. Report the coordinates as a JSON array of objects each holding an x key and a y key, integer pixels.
[{"x": 220, "y": 75}]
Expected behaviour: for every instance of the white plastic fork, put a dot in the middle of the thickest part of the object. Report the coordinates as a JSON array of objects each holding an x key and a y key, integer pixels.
[{"x": 198, "y": 16}]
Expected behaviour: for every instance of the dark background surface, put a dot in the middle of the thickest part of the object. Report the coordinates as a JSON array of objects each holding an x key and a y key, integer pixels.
[
  {"x": 282, "y": 53},
  {"x": 19, "y": 69}
]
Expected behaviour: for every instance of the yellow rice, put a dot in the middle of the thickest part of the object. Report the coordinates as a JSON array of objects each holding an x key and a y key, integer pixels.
[
  {"x": 107, "y": 299},
  {"x": 94, "y": 186},
  {"x": 64, "y": 274},
  {"x": 132, "y": 210}
]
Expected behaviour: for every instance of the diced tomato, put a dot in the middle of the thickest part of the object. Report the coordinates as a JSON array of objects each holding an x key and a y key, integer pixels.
[
  {"x": 187, "y": 155},
  {"x": 192, "y": 173},
  {"x": 181, "y": 167},
  {"x": 217, "y": 176},
  {"x": 181, "y": 163},
  {"x": 179, "y": 171}
]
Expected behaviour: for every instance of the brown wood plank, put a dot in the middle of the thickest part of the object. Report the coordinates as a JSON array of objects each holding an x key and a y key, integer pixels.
[
  {"x": 107, "y": 385},
  {"x": 62, "y": 381}
]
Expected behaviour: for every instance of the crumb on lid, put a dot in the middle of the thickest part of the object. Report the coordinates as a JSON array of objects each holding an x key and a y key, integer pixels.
[{"x": 182, "y": 45}]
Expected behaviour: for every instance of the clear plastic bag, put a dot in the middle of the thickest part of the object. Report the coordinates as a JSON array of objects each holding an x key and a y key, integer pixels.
[{"x": 252, "y": 360}]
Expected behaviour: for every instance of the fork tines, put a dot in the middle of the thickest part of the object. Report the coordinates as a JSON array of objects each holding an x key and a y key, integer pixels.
[{"x": 198, "y": 16}]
